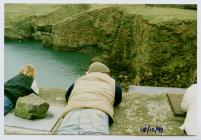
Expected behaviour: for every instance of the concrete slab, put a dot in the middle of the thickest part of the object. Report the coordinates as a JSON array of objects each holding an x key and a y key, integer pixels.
[
  {"x": 175, "y": 101},
  {"x": 9, "y": 130},
  {"x": 139, "y": 112},
  {"x": 55, "y": 97},
  {"x": 155, "y": 90},
  {"x": 44, "y": 124},
  {"x": 136, "y": 112}
]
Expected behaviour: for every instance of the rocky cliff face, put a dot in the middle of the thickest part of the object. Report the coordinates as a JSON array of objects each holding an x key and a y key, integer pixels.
[{"x": 141, "y": 44}]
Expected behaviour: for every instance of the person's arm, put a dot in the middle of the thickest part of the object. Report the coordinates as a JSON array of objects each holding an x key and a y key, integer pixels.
[
  {"x": 68, "y": 93},
  {"x": 35, "y": 88},
  {"x": 118, "y": 94},
  {"x": 189, "y": 96},
  {"x": 184, "y": 104}
]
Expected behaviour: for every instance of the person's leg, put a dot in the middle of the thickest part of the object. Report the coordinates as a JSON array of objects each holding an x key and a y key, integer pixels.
[
  {"x": 94, "y": 122},
  {"x": 7, "y": 105},
  {"x": 70, "y": 124}
]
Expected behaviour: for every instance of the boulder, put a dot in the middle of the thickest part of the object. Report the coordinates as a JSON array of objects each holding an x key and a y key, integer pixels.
[{"x": 31, "y": 107}]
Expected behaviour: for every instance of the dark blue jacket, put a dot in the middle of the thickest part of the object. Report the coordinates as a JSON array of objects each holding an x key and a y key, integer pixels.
[{"x": 18, "y": 86}]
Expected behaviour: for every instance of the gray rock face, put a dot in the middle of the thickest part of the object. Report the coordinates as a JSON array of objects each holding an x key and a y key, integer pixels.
[{"x": 31, "y": 107}]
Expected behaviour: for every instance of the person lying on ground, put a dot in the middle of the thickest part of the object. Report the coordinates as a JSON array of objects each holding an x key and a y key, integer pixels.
[
  {"x": 91, "y": 100},
  {"x": 20, "y": 85}
]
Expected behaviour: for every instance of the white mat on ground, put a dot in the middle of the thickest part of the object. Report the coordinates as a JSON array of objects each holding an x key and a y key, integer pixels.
[{"x": 44, "y": 124}]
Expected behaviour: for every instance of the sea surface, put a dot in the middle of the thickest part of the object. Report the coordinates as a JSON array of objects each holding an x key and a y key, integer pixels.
[{"x": 55, "y": 69}]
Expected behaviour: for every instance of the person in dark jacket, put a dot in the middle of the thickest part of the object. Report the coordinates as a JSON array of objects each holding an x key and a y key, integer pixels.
[
  {"x": 91, "y": 100},
  {"x": 20, "y": 85}
]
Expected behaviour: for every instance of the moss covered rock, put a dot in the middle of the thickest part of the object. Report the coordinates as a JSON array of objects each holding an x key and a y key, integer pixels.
[
  {"x": 145, "y": 48},
  {"x": 31, "y": 107}
]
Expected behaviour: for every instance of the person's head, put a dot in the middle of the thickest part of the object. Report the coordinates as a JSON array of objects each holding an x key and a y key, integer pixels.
[
  {"x": 28, "y": 70},
  {"x": 98, "y": 67}
]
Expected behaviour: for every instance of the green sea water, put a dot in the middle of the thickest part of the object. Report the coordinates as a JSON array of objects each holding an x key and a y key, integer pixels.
[{"x": 55, "y": 69}]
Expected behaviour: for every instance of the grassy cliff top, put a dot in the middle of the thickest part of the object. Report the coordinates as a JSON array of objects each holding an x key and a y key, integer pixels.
[
  {"x": 48, "y": 13},
  {"x": 17, "y": 12},
  {"x": 160, "y": 14},
  {"x": 54, "y": 12}
]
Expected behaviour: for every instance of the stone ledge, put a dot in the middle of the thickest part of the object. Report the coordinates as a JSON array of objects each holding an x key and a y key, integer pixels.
[{"x": 137, "y": 111}]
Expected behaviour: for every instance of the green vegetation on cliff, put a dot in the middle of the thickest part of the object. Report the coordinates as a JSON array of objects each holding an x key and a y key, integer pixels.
[{"x": 142, "y": 45}]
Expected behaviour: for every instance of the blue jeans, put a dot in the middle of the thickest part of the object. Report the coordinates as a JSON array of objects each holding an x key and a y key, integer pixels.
[
  {"x": 85, "y": 122},
  {"x": 8, "y": 105}
]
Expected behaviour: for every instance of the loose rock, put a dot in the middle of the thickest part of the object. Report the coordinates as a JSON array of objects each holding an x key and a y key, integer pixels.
[{"x": 31, "y": 107}]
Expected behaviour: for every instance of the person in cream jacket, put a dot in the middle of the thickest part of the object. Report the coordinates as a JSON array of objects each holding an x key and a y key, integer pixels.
[{"x": 91, "y": 100}]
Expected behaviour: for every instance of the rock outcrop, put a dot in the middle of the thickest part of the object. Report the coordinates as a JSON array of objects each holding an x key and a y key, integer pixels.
[{"x": 31, "y": 107}]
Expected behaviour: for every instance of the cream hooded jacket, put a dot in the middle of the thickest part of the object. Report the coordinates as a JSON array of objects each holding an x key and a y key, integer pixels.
[{"x": 94, "y": 90}]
